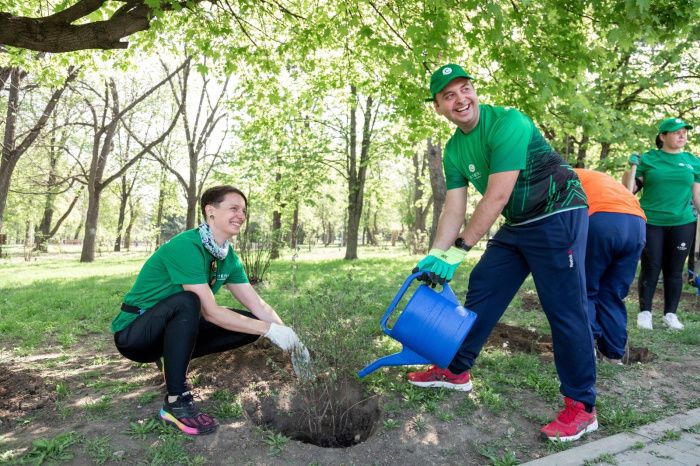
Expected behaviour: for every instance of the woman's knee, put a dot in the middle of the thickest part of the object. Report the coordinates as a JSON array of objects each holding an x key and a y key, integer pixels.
[{"x": 187, "y": 303}]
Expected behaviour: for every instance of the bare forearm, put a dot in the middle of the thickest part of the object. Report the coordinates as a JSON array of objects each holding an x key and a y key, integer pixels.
[
  {"x": 451, "y": 218},
  {"x": 225, "y": 318},
  {"x": 266, "y": 313},
  {"x": 484, "y": 217},
  {"x": 628, "y": 179},
  {"x": 450, "y": 223}
]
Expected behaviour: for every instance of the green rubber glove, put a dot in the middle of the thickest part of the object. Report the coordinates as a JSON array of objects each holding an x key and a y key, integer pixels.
[
  {"x": 442, "y": 263},
  {"x": 428, "y": 261},
  {"x": 634, "y": 159}
]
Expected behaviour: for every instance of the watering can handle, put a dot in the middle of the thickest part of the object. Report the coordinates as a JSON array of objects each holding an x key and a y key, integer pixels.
[{"x": 446, "y": 292}]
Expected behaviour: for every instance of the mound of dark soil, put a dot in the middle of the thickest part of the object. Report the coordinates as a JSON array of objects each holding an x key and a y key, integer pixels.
[
  {"x": 260, "y": 362},
  {"x": 521, "y": 340},
  {"x": 533, "y": 342},
  {"x": 21, "y": 392}
]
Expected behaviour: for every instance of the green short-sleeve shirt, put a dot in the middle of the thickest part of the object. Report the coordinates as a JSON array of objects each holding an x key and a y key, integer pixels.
[
  {"x": 181, "y": 261},
  {"x": 668, "y": 187},
  {"x": 505, "y": 139}
]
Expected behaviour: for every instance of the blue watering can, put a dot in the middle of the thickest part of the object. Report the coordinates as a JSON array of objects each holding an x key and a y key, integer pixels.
[{"x": 431, "y": 327}]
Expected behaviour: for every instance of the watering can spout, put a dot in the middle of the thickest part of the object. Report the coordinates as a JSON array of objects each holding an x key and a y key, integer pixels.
[{"x": 405, "y": 357}]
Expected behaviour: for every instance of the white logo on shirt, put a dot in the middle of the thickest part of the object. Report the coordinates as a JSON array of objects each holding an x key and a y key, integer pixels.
[
  {"x": 472, "y": 168},
  {"x": 682, "y": 247},
  {"x": 686, "y": 165}
]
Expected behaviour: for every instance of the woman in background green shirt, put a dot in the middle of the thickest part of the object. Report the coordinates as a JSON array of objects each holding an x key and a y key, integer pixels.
[{"x": 668, "y": 178}]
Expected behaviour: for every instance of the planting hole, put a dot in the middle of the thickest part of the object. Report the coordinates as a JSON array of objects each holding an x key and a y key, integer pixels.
[{"x": 327, "y": 413}]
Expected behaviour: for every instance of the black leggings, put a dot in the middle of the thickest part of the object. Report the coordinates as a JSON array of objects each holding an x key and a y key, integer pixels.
[
  {"x": 691, "y": 254},
  {"x": 666, "y": 250},
  {"x": 174, "y": 329}
]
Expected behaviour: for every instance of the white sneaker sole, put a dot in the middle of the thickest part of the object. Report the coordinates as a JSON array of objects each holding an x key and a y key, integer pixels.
[
  {"x": 462, "y": 387},
  {"x": 590, "y": 428},
  {"x": 673, "y": 327}
]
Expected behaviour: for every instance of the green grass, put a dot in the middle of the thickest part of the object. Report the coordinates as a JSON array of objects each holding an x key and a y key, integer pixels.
[
  {"x": 99, "y": 449},
  {"x": 605, "y": 458},
  {"x": 52, "y": 449}
]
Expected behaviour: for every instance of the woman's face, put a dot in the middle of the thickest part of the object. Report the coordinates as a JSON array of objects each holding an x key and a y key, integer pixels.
[
  {"x": 675, "y": 141},
  {"x": 229, "y": 216}
]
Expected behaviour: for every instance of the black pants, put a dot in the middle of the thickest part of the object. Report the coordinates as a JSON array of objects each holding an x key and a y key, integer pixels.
[
  {"x": 174, "y": 329},
  {"x": 691, "y": 255},
  {"x": 666, "y": 250}
]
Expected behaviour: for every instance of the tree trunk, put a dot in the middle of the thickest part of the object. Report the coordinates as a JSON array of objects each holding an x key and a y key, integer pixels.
[
  {"x": 123, "y": 198},
  {"x": 161, "y": 205},
  {"x": 437, "y": 182},
  {"x": 42, "y": 235},
  {"x": 78, "y": 229},
  {"x": 132, "y": 219},
  {"x": 277, "y": 220},
  {"x": 357, "y": 173},
  {"x": 276, "y": 234},
  {"x": 191, "y": 193},
  {"x": 9, "y": 155},
  {"x": 295, "y": 227},
  {"x": 581, "y": 153},
  {"x": 93, "y": 213},
  {"x": 604, "y": 150}
]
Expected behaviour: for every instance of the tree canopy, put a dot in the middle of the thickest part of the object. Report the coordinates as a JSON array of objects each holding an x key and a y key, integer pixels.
[{"x": 316, "y": 104}]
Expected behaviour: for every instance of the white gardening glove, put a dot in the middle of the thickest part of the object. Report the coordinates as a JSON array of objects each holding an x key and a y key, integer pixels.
[
  {"x": 287, "y": 340},
  {"x": 301, "y": 362},
  {"x": 282, "y": 336}
]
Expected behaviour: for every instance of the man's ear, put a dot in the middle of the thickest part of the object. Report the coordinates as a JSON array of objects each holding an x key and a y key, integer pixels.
[{"x": 436, "y": 106}]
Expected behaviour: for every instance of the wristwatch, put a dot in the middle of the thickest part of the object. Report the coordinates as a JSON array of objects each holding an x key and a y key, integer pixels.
[{"x": 459, "y": 243}]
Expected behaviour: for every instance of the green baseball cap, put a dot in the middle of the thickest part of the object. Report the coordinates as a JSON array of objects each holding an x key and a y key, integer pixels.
[
  {"x": 443, "y": 76},
  {"x": 670, "y": 125}
]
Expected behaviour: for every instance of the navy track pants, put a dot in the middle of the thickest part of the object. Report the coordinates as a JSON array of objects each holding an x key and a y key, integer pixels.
[
  {"x": 553, "y": 249},
  {"x": 615, "y": 242}
]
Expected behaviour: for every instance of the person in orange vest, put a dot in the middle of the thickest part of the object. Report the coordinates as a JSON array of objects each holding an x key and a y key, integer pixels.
[{"x": 616, "y": 238}]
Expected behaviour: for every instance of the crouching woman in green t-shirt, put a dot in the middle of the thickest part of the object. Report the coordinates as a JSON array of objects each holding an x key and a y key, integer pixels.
[{"x": 171, "y": 313}]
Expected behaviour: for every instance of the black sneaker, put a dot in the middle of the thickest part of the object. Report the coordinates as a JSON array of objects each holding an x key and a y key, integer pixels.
[{"x": 184, "y": 415}]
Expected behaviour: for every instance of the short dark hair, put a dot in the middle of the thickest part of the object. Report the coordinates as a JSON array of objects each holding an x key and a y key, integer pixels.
[
  {"x": 216, "y": 194},
  {"x": 659, "y": 142}
]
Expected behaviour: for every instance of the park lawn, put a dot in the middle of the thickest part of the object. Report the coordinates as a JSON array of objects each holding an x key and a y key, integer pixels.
[{"x": 63, "y": 308}]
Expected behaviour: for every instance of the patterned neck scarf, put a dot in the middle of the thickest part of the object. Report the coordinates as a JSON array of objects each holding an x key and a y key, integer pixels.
[{"x": 209, "y": 243}]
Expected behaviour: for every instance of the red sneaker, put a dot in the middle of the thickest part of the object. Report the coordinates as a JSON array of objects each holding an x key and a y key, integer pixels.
[
  {"x": 571, "y": 423},
  {"x": 436, "y": 377}
]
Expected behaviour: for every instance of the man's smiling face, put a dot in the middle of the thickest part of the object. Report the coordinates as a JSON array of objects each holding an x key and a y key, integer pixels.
[{"x": 458, "y": 102}]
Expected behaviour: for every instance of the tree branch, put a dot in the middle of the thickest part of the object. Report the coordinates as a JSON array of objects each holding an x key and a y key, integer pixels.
[{"x": 57, "y": 33}]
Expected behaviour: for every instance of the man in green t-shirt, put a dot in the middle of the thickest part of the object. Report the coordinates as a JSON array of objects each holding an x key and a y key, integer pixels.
[
  {"x": 170, "y": 315},
  {"x": 501, "y": 152}
]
